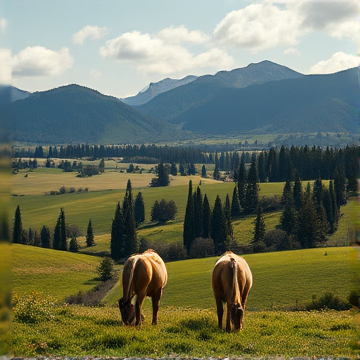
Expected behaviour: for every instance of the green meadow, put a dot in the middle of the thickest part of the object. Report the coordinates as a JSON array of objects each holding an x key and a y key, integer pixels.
[{"x": 283, "y": 281}]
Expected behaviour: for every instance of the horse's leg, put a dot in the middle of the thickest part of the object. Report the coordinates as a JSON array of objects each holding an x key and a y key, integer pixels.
[
  {"x": 220, "y": 311},
  {"x": 228, "y": 316},
  {"x": 155, "y": 305},
  {"x": 244, "y": 301},
  {"x": 138, "y": 304}
]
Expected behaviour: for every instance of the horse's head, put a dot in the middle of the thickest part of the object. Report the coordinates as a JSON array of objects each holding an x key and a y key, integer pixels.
[
  {"x": 127, "y": 311},
  {"x": 237, "y": 313}
]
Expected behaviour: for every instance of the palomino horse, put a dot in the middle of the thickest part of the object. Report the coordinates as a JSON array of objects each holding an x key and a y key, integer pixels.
[
  {"x": 231, "y": 283},
  {"x": 143, "y": 275}
]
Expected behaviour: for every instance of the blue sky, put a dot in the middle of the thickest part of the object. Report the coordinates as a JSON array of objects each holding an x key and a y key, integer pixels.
[{"x": 117, "y": 47}]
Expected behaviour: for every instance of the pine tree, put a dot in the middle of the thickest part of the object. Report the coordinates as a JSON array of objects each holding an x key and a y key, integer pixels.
[
  {"x": 339, "y": 186},
  {"x": 235, "y": 203},
  {"x": 242, "y": 180},
  {"x": 57, "y": 234},
  {"x": 130, "y": 238},
  {"x": 206, "y": 218},
  {"x": 288, "y": 216},
  {"x": 218, "y": 227},
  {"x": 260, "y": 228},
  {"x": 45, "y": 237},
  {"x": 203, "y": 172},
  {"x": 117, "y": 234},
  {"x": 139, "y": 209},
  {"x": 90, "y": 235},
  {"x": 297, "y": 193},
  {"x": 227, "y": 213},
  {"x": 63, "y": 243},
  {"x": 17, "y": 231},
  {"x": 333, "y": 205},
  {"x": 252, "y": 189},
  {"x": 198, "y": 212},
  {"x": 188, "y": 228}
]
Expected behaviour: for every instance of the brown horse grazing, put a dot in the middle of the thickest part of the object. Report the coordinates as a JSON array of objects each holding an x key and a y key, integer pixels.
[
  {"x": 231, "y": 283},
  {"x": 143, "y": 275}
]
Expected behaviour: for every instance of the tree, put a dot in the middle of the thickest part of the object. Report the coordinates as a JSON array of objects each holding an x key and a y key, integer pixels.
[
  {"x": 173, "y": 169},
  {"x": 63, "y": 243},
  {"x": 139, "y": 209},
  {"x": 102, "y": 166},
  {"x": 105, "y": 269},
  {"x": 227, "y": 213},
  {"x": 260, "y": 228},
  {"x": 216, "y": 173},
  {"x": 218, "y": 227},
  {"x": 203, "y": 172},
  {"x": 89, "y": 235},
  {"x": 18, "y": 229},
  {"x": 288, "y": 216},
  {"x": 130, "y": 238},
  {"x": 74, "y": 245},
  {"x": 252, "y": 189},
  {"x": 235, "y": 203},
  {"x": 45, "y": 237},
  {"x": 163, "y": 175},
  {"x": 198, "y": 212},
  {"x": 188, "y": 227},
  {"x": 241, "y": 179},
  {"x": 163, "y": 211},
  {"x": 206, "y": 218},
  {"x": 117, "y": 234},
  {"x": 297, "y": 193}
]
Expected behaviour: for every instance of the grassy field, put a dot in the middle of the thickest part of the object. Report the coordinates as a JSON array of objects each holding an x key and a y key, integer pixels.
[{"x": 187, "y": 320}]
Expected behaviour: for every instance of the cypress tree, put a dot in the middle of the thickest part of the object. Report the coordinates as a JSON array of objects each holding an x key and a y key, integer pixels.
[
  {"x": 117, "y": 234},
  {"x": 252, "y": 189},
  {"x": 288, "y": 216},
  {"x": 163, "y": 175},
  {"x": 198, "y": 213},
  {"x": 218, "y": 227},
  {"x": 130, "y": 238},
  {"x": 73, "y": 245},
  {"x": 57, "y": 234},
  {"x": 227, "y": 213},
  {"x": 260, "y": 228},
  {"x": 206, "y": 218},
  {"x": 242, "y": 183},
  {"x": 139, "y": 209},
  {"x": 203, "y": 171},
  {"x": 188, "y": 228},
  {"x": 333, "y": 205},
  {"x": 89, "y": 235},
  {"x": 45, "y": 237},
  {"x": 17, "y": 231},
  {"x": 63, "y": 243},
  {"x": 173, "y": 169},
  {"x": 235, "y": 203}
]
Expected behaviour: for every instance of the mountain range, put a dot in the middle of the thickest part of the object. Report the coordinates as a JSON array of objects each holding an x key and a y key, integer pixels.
[{"x": 260, "y": 98}]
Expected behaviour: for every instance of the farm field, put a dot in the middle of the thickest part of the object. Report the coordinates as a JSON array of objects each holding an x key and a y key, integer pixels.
[{"x": 187, "y": 308}]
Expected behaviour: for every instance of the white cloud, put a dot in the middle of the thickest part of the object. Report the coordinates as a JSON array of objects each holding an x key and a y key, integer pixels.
[
  {"x": 5, "y": 68},
  {"x": 3, "y": 25},
  {"x": 292, "y": 51},
  {"x": 339, "y": 61},
  {"x": 92, "y": 32},
  {"x": 258, "y": 27},
  {"x": 177, "y": 35},
  {"x": 152, "y": 54},
  {"x": 39, "y": 61}
]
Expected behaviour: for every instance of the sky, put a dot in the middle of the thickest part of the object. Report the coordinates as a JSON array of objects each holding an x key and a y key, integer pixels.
[{"x": 118, "y": 47}]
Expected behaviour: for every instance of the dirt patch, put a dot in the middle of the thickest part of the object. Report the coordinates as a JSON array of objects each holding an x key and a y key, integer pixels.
[{"x": 94, "y": 296}]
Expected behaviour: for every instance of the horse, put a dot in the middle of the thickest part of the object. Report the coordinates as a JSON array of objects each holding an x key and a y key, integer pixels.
[
  {"x": 231, "y": 282},
  {"x": 143, "y": 275}
]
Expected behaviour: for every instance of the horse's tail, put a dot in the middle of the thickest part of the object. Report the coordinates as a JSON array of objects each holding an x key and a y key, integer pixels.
[
  {"x": 131, "y": 276},
  {"x": 235, "y": 285}
]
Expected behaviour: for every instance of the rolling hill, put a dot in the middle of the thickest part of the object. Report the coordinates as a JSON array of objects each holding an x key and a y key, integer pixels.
[{"x": 77, "y": 114}]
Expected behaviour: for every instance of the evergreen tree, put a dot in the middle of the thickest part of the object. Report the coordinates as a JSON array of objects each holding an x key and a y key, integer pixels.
[
  {"x": 198, "y": 213},
  {"x": 297, "y": 193},
  {"x": 163, "y": 175},
  {"x": 57, "y": 234},
  {"x": 216, "y": 173},
  {"x": 102, "y": 166},
  {"x": 261, "y": 167},
  {"x": 173, "y": 169},
  {"x": 45, "y": 237},
  {"x": 17, "y": 231},
  {"x": 218, "y": 227},
  {"x": 288, "y": 216},
  {"x": 242, "y": 180},
  {"x": 339, "y": 186},
  {"x": 30, "y": 237},
  {"x": 155, "y": 211},
  {"x": 203, "y": 172},
  {"x": 130, "y": 238},
  {"x": 74, "y": 245},
  {"x": 334, "y": 206},
  {"x": 90, "y": 235},
  {"x": 117, "y": 234},
  {"x": 188, "y": 228},
  {"x": 206, "y": 218},
  {"x": 252, "y": 189},
  {"x": 227, "y": 213},
  {"x": 235, "y": 203},
  {"x": 139, "y": 209},
  {"x": 37, "y": 240},
  {"x": 63, "y": 243},
  {"x": 260, "y": 228}
]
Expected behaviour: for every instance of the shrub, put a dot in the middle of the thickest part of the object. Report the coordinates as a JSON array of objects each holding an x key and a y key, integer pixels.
[
  {"x": 33, "y": 308},
  {"x": 354, "y": 298},
  {"x": 328, "y": 301},
  {"x": 202, "y": 248},
  {"x": 270, "y": 203},
  {"x": 176, "y": 251},
  {"x": 105, "y": 269}
]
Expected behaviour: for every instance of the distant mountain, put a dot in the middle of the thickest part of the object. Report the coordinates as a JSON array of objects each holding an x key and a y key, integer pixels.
[
  {"x": 172, "y": 103},
  {"x": 10, "y": 94},
  {"x": 77, "y": 114},
  {"x": 154, "y": 89},
  {"x": 311, "y": 103}
]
